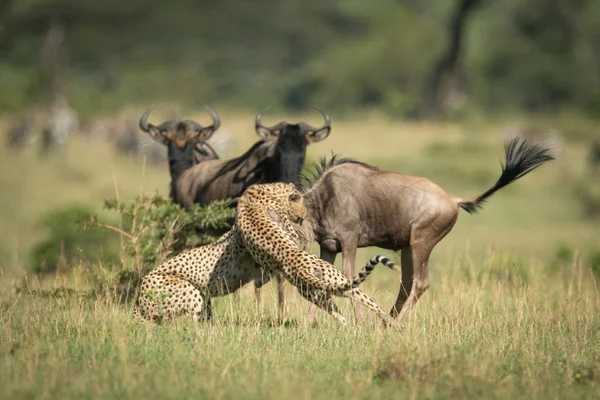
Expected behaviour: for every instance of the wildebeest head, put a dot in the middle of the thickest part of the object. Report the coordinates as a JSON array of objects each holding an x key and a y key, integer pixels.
[
  {"x": 180, "y": 137},
  {"x": 290, "y": 146}
]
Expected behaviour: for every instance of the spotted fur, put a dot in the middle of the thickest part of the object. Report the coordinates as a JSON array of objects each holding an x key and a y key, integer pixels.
[
  {"x": 259, "y": 220},
  {"x": 185, "y": 283}
]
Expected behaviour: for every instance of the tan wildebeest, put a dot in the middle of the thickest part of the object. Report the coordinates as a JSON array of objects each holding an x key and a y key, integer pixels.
[{"x": 351, "y": 205}]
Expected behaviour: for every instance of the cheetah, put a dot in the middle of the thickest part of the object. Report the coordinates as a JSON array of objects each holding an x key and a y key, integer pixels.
[
  {"x": 186, "y": 283},
  {"x": 260, "y": 222}
]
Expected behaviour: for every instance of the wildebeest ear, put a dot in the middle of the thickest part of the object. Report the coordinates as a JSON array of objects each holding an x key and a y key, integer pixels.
[
  {"x": 267, "y": 134},
  {"x": 205, "y": 133},
  {"x": 158, "y": 135},
  {"x": 318, "y": 135}
]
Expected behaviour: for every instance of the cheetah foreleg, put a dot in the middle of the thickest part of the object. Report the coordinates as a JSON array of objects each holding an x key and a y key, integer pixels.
[
  {"x": 324, "y": 301},
  {"x": 361, "y": 297}
]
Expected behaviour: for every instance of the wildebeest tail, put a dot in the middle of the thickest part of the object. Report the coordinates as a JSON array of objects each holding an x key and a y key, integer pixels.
[{"x": 521, "y": 157}]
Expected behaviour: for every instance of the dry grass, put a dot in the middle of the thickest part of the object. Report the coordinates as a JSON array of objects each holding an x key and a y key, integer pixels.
[{"x": 474, "y": 334}]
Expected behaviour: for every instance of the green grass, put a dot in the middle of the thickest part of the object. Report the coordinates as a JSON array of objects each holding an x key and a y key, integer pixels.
[{"x": 513, "y": 310}]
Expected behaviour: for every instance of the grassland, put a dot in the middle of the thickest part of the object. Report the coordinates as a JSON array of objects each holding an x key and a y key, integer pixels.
[{"x": 513, "y": 310}]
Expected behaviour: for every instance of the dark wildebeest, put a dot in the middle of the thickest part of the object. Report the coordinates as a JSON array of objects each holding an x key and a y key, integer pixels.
[
  {"x": 277, "y": 157},
  {"x": 351, "y": 205}
]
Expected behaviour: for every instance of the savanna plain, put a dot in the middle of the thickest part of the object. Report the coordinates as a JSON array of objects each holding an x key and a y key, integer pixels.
[{"x": 513, "y": 310}]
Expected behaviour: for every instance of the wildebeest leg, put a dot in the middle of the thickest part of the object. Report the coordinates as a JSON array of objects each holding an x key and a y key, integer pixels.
[
  {"x": 361, "y": 297},
  {"x": 280, "y": 298},
  {"x": 349, "y": 245},
  {"x": 208, "y": 309},
  {"x": 324, "y": 301},
  {"x": 415, "y": 259},
  {"x": 260, "y": 282},
  {"x": 420, "y": 282},
  {"x": 407, "y": 280},
  {"x": 328, "y": 256}
]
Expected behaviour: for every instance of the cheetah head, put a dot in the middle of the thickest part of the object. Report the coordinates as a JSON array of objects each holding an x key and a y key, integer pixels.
[{"x": 283, "y": 198}]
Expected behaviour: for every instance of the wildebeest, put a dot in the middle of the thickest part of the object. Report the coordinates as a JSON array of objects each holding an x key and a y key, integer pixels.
[
  {"x": 186, "y": 147},
  {"x": 351, "y": 204},
  {"x": 277, "y": 157}
]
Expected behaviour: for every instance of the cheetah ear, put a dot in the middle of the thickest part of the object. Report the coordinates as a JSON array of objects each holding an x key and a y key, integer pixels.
[{"x": 275, "y": 216}]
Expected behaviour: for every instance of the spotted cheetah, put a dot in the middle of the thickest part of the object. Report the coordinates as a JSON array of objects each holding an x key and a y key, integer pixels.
[
  {"x": 186, "y": 283},
  {"x": 259, "y": 220}
]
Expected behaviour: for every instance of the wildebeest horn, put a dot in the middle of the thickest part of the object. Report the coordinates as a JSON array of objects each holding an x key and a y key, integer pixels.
[
  {"x": 144, "y": 119},
  {"x": 153, "y": 130},
  {"x": 265, "y": 132},
  {"x": 257, "y": 122},
  {"x": 327, "y": 120},
  {"x": 216, "y": 120}
]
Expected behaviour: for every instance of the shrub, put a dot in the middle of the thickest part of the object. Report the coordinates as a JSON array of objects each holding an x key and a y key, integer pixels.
[{"x": 153, "y": 229}]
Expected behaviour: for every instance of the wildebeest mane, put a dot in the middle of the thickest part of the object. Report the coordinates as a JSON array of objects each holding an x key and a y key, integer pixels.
[{"x": 324, "y": 165}]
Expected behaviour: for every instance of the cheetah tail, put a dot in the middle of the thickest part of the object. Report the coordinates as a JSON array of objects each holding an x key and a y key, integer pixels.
[{"x": 362, "y": 275}]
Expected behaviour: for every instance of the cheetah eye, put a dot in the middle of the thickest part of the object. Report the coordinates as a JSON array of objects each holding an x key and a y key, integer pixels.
[{"x": 294, "y": 198}]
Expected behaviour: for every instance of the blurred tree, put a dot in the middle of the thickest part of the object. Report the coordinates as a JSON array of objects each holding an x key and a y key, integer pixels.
[
  {"x": 547, "y": 55},
  {"x": 444, "y": 68},
  {"x": 343, "y": 54}
]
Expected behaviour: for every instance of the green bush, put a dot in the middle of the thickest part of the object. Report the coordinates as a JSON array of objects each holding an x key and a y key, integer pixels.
[
  {"x": 564, "y": 253},
  {"x": 67, "y": 244},
  {"x": 153, "y": 229}
]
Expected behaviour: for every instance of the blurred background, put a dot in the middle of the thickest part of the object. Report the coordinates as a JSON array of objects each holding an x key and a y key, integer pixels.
[
  {"x": 405, "y": 58},
  {"x": 426, "y": 88}
]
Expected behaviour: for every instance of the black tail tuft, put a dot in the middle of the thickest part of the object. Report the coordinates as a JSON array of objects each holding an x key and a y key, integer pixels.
[
  {"x": 472, "y": 207},
  {"x": 521, "y": 157}
]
